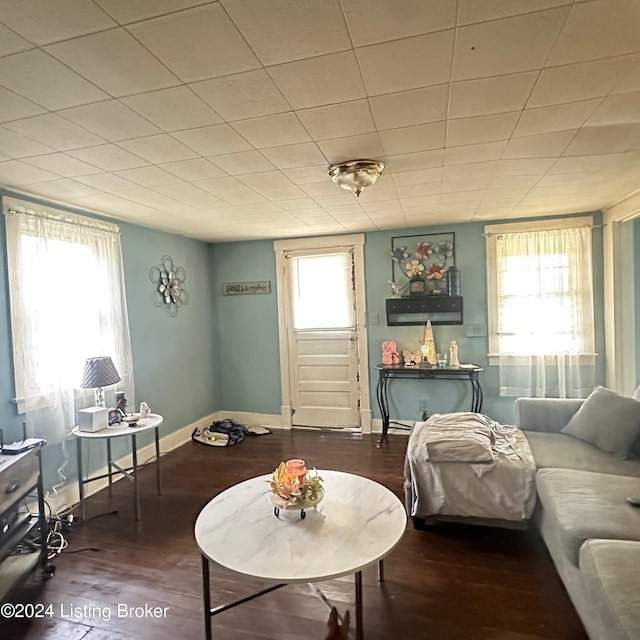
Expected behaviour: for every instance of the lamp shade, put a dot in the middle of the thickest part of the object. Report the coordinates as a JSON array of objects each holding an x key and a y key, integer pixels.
[{"x": 99, "y": 372}]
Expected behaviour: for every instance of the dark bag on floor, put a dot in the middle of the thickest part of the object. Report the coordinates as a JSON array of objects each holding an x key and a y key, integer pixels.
[{"x": 221, "y": 433}]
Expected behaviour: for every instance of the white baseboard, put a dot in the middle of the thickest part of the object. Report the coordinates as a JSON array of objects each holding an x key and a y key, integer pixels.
[
  {"x": 62, "y": 500},
  {"x": 376, "y": 425}
]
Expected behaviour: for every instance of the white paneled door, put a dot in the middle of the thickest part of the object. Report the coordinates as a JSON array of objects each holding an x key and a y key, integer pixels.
[{"x": 322, "y": 337}]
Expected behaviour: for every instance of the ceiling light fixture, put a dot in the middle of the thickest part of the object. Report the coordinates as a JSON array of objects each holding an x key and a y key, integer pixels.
[{"x": 355, "y": 175}]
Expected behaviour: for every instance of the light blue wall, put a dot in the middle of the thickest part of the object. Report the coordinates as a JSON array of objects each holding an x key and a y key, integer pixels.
[
  {"x": 246, "y": 329},
  {"x": 247, "y": 326},
  {"x": 173, "y": 358}
]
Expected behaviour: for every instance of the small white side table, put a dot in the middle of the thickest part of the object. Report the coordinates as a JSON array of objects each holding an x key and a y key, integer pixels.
[{"x": 153, "y": 421}]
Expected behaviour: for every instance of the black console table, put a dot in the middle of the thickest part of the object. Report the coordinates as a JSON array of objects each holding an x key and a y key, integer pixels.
[{"x": 425, "y": 372}]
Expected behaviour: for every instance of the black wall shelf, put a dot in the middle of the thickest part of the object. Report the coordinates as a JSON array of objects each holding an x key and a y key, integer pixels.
[{"x": 414, "y": 311}]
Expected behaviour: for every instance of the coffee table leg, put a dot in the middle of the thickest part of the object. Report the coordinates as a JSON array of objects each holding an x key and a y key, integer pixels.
[
  {"x": 80, "y": 479},
  {"x": 359, "y": 629},
  {"x": 158, "y": 481},
  {"x": 134, "y": 455},
  {"x": 206, "y": 598},
  {"x": 381, "y": 571}
]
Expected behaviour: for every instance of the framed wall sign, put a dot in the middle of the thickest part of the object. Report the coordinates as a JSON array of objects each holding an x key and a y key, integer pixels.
[{"x": 244, "y": 288}]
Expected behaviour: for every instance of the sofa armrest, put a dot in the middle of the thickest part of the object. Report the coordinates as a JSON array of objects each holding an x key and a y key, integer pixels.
[{"x": 545, "y": 414}]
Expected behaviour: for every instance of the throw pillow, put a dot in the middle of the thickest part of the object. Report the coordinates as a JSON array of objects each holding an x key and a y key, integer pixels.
[{"x": 607, "y": 420}]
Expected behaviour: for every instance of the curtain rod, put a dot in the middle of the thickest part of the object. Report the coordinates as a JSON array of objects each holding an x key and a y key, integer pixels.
[
  {"x": 502, "y": 233},
  {"x": 63, "y": 217}
]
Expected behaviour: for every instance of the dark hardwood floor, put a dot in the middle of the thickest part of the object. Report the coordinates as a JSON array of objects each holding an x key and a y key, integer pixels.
[{"x": 452, "y": 582}]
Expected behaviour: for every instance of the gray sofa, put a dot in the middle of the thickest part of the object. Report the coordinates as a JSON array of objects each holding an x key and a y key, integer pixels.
[{"x": 592, "y": 533}]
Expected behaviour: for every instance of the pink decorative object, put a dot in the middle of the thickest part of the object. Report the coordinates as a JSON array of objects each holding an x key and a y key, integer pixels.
[{"x": 390, "y": 352}]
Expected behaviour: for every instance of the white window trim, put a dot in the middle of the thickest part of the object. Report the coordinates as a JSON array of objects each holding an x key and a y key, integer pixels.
[{"x": 492, "y": 230}]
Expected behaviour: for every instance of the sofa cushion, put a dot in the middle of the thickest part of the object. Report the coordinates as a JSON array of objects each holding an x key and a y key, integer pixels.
[
  {"x": 610, "y": 572},
  {"x": 608, "y": 420},
  {"x": 583, "y": 505},
  {"x": 564, "y": 452}
]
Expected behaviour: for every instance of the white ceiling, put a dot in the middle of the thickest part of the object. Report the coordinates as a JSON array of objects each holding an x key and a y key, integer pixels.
[{"x": 218, "y": 120}]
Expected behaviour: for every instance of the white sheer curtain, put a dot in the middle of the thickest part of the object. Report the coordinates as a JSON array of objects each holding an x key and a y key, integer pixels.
[
  {"x": 67, "y": 304},
  {"x": 545, "y": 313}
]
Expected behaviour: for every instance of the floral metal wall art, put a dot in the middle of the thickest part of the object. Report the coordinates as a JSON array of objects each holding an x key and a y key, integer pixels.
[{"x": 170, "y": 291}]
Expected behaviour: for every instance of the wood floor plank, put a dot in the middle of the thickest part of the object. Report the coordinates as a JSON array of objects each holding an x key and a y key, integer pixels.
[{"x": 447, "y": 583}]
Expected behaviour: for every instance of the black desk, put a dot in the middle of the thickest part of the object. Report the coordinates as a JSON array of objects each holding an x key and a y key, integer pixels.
[{"x": 428, "y": 372}]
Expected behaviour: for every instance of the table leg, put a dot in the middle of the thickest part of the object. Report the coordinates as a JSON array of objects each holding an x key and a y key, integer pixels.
[
  {"x": 136, "y": 480},
  {"x": 476, "y": 395},
  {"x": 206, "y": 597},
  {"x": 80, "y": 479},
  {"x": 158, "y": 482},
  {"x": 359, "y": 629},
  {"x": 109, "y": 466},
  {"x": 383, "y": 404},
  {"x": 381, "y": 571}
]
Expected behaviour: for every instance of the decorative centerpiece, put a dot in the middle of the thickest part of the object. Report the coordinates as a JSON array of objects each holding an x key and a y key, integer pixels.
[{"x": 293, "y": 487}]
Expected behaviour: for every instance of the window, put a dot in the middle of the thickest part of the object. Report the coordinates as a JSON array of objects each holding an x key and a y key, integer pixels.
[
  {"x": 540, "y": 301},
  {"x": 67, "y": 303}
]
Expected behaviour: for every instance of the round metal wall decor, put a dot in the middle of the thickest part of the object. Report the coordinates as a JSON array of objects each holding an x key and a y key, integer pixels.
[{"x": 170, "y": 289}]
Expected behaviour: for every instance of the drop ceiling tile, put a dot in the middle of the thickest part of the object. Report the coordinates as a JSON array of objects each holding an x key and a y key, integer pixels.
[
  {"x": 151, "y": 198},
  {"x": 244, "y": 95},
  {"x": 474, "y": 153},
  {"x": 108, "y": 157},
  {"x": 38, "y": 77},
  {"x": 107, "y": 182},
  {"x": 111, "y": 120},
  {"x": 407, "y": 108},
  {"x": 294, "y": 155},
  {"x": 197, "y": 43},
  {"x": 173, "y": 109},
  {"x": 419, "y": 190},
  {"x": 267, "y": 180},
  {"x": 522, "y": 182},
  {"x": 192, "y": 170},
  {"x": 470, "y": 11},
  {"x": 339, "y": 199},
  {"x": 54, "y": 131},
  {"x": 62, "y": 164},
  {"x": 281, "y": 194},
  {"x": 64, "y": 188},
  {"x": 599, "y": 163},
  {"x": 237, "y": 164},
  {"x": 481, "y": 128},
  {"x": 284, "y": 30},
  {"x": 269, "y": 131},
  {"x": 15, "y": 107},
  {"x": 417, "y": 177},
  {"x": 212, "y": 141},
  {"x": 318, "y": 81},
  {"x": 412, "y": 161},
  {"x": 325, "y": 188},
  {"x": 231, "y": 190},
  {"x": 11, "y": 42},
  {"x": 422, "y": 137},
  {"x": 114, "y": 61},
  {"x": 194, "y": 196},
  {"x": 299, "y": 204},
  {"x": 544, "y": 145},
  {"x": 345, "y": 119},
  {"x": 383, "y": 74},
  {"x": 509, "y": 45},
  {"x": 490, "y": 95},
  {"x": 14, "y": 145},
  {"x": 518, "y": 167},
  {"x": 555, "y": 118},
  {"x": 617, "y": 109},
  {"x": 373, "y": 21},
  {"x": 574, "y": 82},
  {"x": 353, "y": 147},
  {"x": 597, "y": 30},
  {"x": 148, "y": 176},
  {"x": 14, "y": 173},
  {"x": 307, "y": 175},
  {"x": 629, "y": 80},
  {"x": 156, "y": 149},
  {"x": 604, "y": 139},
  {"x": 43, "y": 21},
  {"x": 125, "y": 11}
]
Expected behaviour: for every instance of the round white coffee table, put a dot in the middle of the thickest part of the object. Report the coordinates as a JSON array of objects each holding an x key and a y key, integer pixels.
[
  {"x": 358, "y": 523},
  {"x": 153, "y": 421}
]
